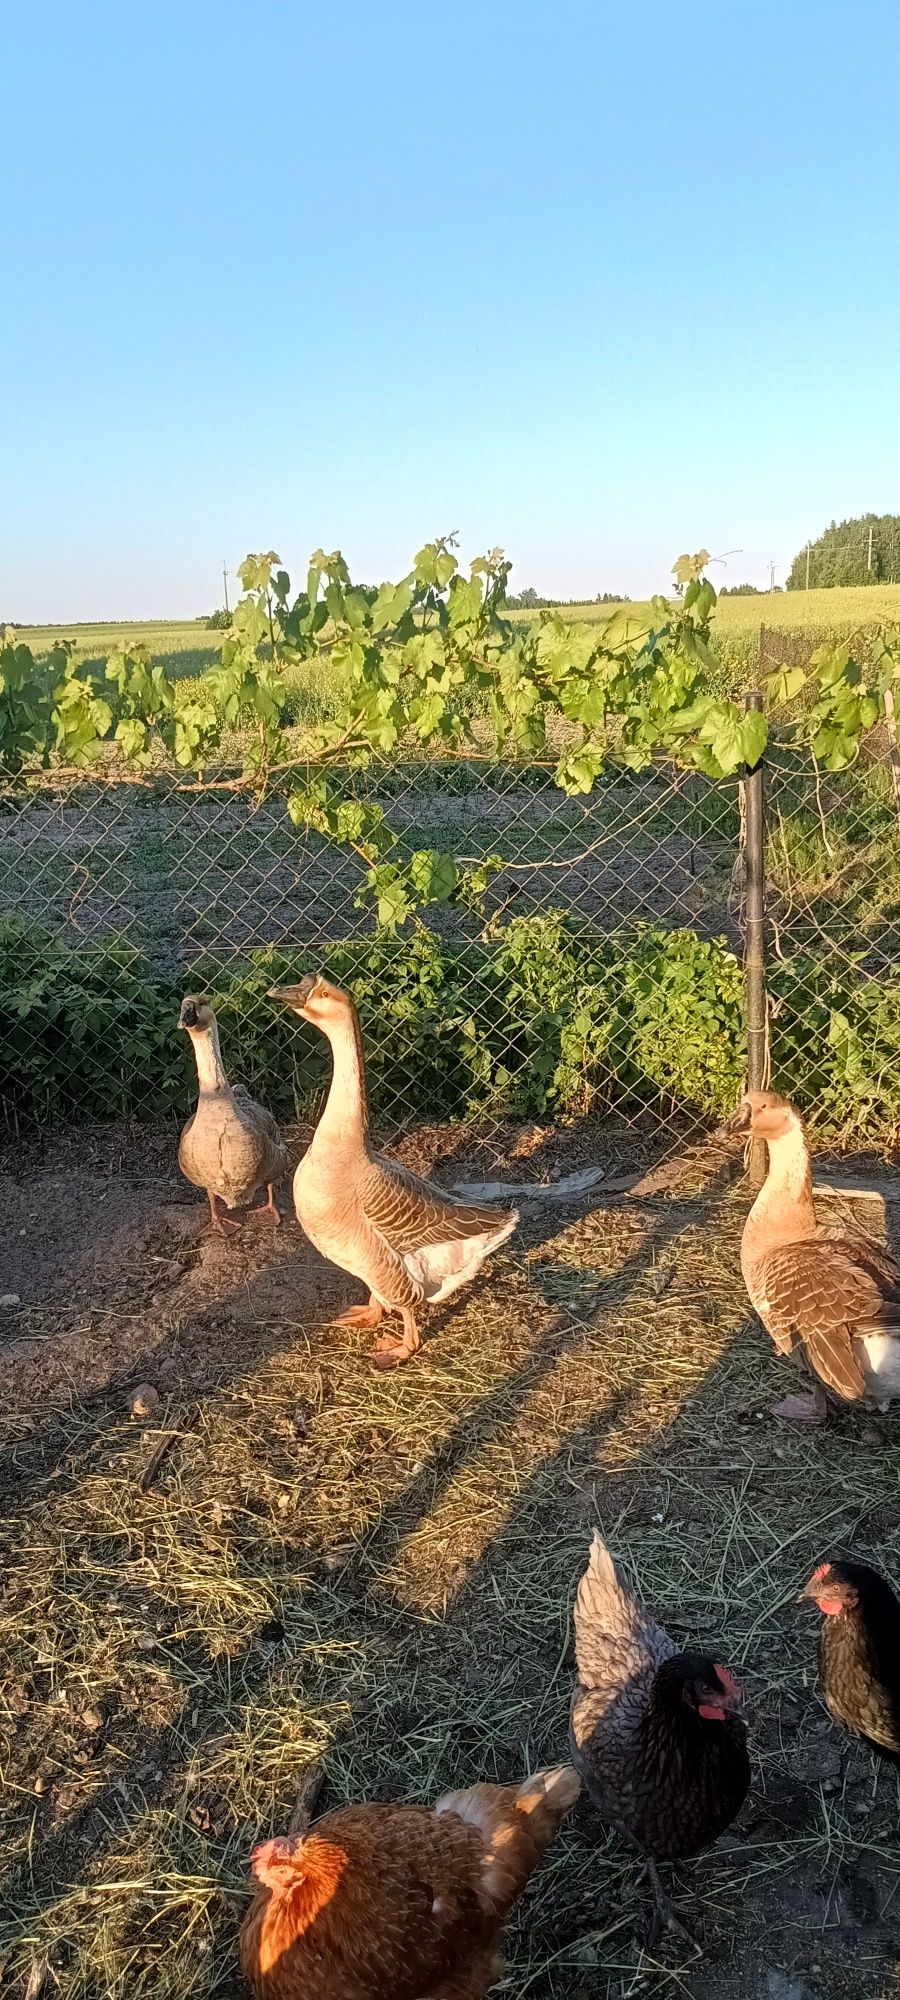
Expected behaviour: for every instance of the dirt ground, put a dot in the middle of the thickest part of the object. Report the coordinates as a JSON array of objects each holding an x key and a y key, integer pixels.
[{"x": 378, "y": 1570}]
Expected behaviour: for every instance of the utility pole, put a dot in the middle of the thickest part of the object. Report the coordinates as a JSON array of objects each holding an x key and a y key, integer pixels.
[
  {"x": 869, "y": 557},
  {"x": 225, "y": 584},
  {"x": 772, "y": 568},
  {"x": 808, "y": 546}
]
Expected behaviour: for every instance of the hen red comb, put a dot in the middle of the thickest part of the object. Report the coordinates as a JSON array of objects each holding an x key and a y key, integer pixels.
[
  {"x": 727, "y": 1682},
  {"x": 819, "y": 1575}
]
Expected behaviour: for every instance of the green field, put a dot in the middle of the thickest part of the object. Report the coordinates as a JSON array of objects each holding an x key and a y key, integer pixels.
[
  {"x": 806, "y": 618},
  {"x": 802, "y": 620},
  {"x": 183, "y": 646}
]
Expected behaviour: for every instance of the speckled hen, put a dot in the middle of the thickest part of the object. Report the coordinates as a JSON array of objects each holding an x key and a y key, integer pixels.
[{"x": 656, "y": 1734}]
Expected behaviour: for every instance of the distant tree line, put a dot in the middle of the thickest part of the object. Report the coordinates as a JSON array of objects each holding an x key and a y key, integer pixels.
[
  {"x": 530, "y": 600},
  {"x": 863, "y": 551}
]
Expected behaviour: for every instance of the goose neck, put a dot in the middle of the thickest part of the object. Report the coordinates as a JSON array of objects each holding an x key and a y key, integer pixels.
[
  {"x": 208, "y": 1058},
  {"x": 783, "y": 1210},
  {"x": 346, "y": 1112}
]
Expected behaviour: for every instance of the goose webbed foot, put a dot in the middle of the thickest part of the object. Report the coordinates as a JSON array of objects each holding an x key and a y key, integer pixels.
[
  {"x": 393, "y": 1350},
  {"x": 370, "y": 1315},
  {"x": 812, "y": 1409}
]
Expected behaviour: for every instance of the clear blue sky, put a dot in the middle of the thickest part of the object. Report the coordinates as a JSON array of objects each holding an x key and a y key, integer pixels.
[{"x": 594, "y": 282}]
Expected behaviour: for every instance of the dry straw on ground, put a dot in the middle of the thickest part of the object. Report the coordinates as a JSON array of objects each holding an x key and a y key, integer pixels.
[{"x": 378, "y": 1571}]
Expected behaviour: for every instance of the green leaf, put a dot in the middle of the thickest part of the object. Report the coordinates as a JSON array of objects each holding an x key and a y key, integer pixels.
[
  {"x": 578, "y": 771},
  {"x": 686, "y": 569},
  {"x": 754, "y": 737},
  {"x": 433, "y": 876},
  {"x": 784, "y": 685}
]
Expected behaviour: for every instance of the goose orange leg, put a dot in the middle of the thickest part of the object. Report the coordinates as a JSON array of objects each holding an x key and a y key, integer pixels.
[
  {"x": 269, "y": 1207},
  {"x": 391, "y": 1352},
  {"x": 221, "y": 1225},
  {"x": 811, "y": 1409}
]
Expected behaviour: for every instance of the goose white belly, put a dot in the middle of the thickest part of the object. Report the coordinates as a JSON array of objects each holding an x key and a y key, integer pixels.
[
  {"x": 881, "y": 1366},
  {"x": 441, "y": 1268}
]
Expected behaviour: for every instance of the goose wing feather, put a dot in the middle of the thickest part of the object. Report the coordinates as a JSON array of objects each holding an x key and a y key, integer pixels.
[
  {"x": 411, "y": 1213},
  {"x": 827, "y": 1292},
  {"x": 267, "y": 1128}
]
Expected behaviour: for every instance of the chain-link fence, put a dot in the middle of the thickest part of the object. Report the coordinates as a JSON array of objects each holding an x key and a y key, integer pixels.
[
  {"x": 832, "y": 871},
  {"x": 599, "y": 975}
]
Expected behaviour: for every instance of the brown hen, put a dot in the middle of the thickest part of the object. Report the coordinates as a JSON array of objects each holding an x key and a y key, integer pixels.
[
  {"x": 859, "y": 1651},
  {"x": 384, "y": 1902}
]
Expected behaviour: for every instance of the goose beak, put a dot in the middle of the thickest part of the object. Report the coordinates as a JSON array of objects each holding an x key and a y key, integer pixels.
[
  {"x": 740, "y": 1121},
  {"x": 294, "y": 997},
  {"x": 188, "y": 1016}
]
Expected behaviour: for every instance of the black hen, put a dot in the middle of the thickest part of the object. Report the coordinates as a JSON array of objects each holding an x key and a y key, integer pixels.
[
  {"x": 657, "y": 1735},
  {"x": 859, "y": 1651}
]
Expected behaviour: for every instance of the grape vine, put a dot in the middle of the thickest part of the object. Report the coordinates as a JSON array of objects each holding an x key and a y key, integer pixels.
[{"x": 429, "y": 663}]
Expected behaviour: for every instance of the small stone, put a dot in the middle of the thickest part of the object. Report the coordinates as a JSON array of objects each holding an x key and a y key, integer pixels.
[
  {"x": 818, "y": 1763},
  {"x": 10, "y": 1299},
  {"x": 41, "y": 1784},
  {"x": 144, "y": 1401}
]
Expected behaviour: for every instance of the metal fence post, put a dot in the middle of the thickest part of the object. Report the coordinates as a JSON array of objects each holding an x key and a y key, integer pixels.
[{"x": 755, "y": 1002}]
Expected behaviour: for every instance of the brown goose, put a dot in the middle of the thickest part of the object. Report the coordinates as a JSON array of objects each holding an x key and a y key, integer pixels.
[
  {"x": 231, "y": 1146},
  {"x": 818, "y": 1287},
  {"x": 407, "y": 1240}
]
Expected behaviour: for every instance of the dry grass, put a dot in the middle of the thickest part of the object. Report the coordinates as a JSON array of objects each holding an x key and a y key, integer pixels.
[{"x": 379, "y": 1570}]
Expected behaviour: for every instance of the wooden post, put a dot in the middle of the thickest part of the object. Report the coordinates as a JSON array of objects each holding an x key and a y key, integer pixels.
[
  {"x": 755, "y": 1001},
  {"x": 894, "y": 752}
]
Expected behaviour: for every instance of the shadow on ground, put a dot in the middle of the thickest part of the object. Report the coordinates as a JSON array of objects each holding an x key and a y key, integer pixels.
[{"x": 380, "y": 1570}]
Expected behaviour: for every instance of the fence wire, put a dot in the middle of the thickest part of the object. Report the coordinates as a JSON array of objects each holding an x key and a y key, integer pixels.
[{"x": 599, "y": 976}]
